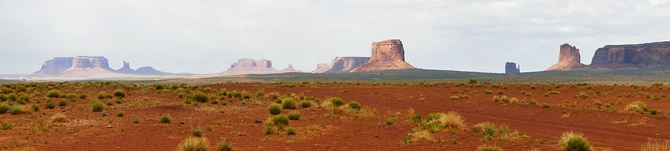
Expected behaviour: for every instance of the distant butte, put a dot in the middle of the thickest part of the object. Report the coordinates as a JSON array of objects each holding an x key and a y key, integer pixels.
[
  {"x": 386, "y": 55},
  {"x": 568, "y": 59}
]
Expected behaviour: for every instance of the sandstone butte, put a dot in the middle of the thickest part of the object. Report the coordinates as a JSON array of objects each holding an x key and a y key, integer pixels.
[
  {"x": 632, "y": 55},
  {"x": 346, "y": 64},
  {"x": 568, "y": 59},
  {"x": 386, "y": 55}
]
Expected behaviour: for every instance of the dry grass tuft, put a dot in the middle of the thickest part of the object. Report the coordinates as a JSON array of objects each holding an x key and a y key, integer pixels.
[
  {"x": 58, "y": 117},
  {"x": 657, "y": 145},
  {"x": 193, "y": 144}
]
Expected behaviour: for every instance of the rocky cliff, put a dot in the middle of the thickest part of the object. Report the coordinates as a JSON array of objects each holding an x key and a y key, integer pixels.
[
  {"x": 321, "y": 68},
  {"x": 289, "y": 69},
  {"x": 568, "y": 59},
  {"x": 250, "y": 66},
  {"x": 512, "y": 68},
  {"x": 55, "y": 66},
  {"x": 632, "y": 56},
  {"x": 386, "y": 55},
  {"x": 126, "y": 69},
  {"x": 346, "y": 64}
]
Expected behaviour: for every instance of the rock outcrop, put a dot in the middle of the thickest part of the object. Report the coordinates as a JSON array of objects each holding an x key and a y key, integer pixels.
[
  {"x": 346, "y": 64},
  {"x": 386, "y": 55},
  {"x": 55, "y": 66},
  {"x": 89, "y": 67},
  {"x": 568, "y": 59},
  {"x": 512, "y": 68},
  {"x": 632, "y": 56},
  {"x": 321, "y": 68},
  {"x": 289, "y": 69},
  {"x": 126, "y": 69},
  {"x": 250, "y": 66},
  {"x": 150, "y": 71}
]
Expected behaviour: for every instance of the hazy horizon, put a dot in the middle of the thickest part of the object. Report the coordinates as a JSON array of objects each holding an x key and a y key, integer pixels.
[{"x": 208, "y": 36}]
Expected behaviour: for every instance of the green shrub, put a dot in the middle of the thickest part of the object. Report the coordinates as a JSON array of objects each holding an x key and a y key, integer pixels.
[
  {"x": 58, "y": 117},
  {"x": 486, "y": 128},
  {"x": 657, "y": 145},
  {"x": 355, "y": 105},
  {"x": 3, "y": 98},
  {"x": 489, "y": 148},
  {"x": 5, "y": 126},
  {"x": 200, "y": 97},
  {"x": 571, "y": 141},
  {"x": 62, "y": 103},
  {"x": 50, "y": 105},
  {"x": 4, "y": 109},
  {"x": 196, "y": 132},
  {"x": 119, "y": 93},
  {"x": 193, "y": 144},
  {"x": 288, "y": 103},
  {"x": 269, "y": 129},
  {"x": 225, "y": 145},
  {"x": 336, "y": 101},
  {"x": 545, "y": 105},
  {"x": 638, "y": 106},
  {"x": 102, "y": 95},
  {"x": 165, "y": 119},
  {"x": 305, "y": 104},
  {"x": 533, "y": 102},
  {"x": 53, "y": 94},
  {"x": 35, "y": 107},
  {"x": 294, "y": 115},
  {"x": 136, "y": 120},
  {"x": 416, "y": 118},
  {"x": 290, "y": 131},
  {"x": 83, "y": 96},
  {"x": 274, "y": 109},
  {"x": 120, "y": 114},
  {"x": 388, "y": 122},
  {"x": 280, "y": 120},
  {"x": 14, "y": 110},
  {"x": 96, "y": 106}
]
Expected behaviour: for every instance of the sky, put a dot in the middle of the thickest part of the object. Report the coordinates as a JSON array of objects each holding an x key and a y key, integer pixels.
[{"x": 207, "y": 36}]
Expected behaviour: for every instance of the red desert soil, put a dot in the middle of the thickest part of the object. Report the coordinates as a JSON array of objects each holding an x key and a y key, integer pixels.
[{"x": 607, "y": 126}]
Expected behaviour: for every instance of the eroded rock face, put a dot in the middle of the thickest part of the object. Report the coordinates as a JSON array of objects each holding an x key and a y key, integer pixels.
[
  {"x": 289, "y": 69},
  {"x": 632, "y": 56},
  {"x": 321, "y": 68},
  {"x": 568, "y": 59},
  {"x": 55, "y": 66},
  {"x": 90, "y": 62},
  {"x": 126, "y": 69},
  {"x": 386, "y": 55},
  {"x": 251, "y": 66},
  {"x": 512, "y": 68},
  {"x": 346, "y": 64},
  {"x": 150, "y": 71}
]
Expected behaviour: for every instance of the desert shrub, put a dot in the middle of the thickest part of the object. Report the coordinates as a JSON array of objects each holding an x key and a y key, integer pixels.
[
  {"x": 486, "y": 128},
  {"x": 5, "y": 126},
  {"x": 200, "y": 97},
  {"x": 62, "y": 103},
  {"x": 290, "y": 131},
  {"x": 119, "y": 93},
  {"x": 3, "y": 98},
  {"x": 165, "y": 119},
  {"x": 288, "y": 103},
  {"x": 654, "y": 112},
  {"x": 280, "y": 120},
  {"x": 274, "y": 109},
  {"x": 58, "y": 117},
  {"x": 571, "y": 141},
  {"x": 355, "y": 105},
  {"x": 50, "y": 105},
  {"x": 489, "y": 148},
  {"x": 388, "y": 122},
  {"x": 53, "y": 94},
  {"x": 637, "y": 106},
  {"x": 336, "y": 101},
  {"x": 496, "y": 98},
  {"x": 35, "y": 107},
  {"x": 545, "y": 105},
  {"x": 193, "y": 144},
  {"x": 224, "y": 145},
  {"x": 4, "y": 109},
  {"x": 159, "y": 87},
  {"x": 96, "y": 106},
  {"x": 83, "y": 96},
  {"x": 416, "y": 118},
  {"x": 136, "y": 120},
  {"x": 196, "y": 132},
  {"x": 532, "y": 102},
  {"x": 305, "y": 104},
  {"x": 120, "y": 114},
  {"x": 293, "y": 115},
  {"x": 452, "y": 120},
  {"x": 657, "y": 146},
  {"x": 268, "y": 129},
  {"x": 104, "y": 95},
  {"x": 487, "y": 91},
  {"x": 438, "y": 121},
  {"x": 14, "y": 110}
]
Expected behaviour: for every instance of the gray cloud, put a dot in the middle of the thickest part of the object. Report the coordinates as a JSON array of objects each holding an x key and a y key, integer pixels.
[{"x": 207, "y": 36}]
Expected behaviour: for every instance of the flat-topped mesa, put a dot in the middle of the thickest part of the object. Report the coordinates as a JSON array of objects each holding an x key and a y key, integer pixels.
[
  {"x": 321, "y": 68},
  {"x": 632, "y": 56},
  {"x": 251, "y": 66},
  {"x": 55, "y": 66},
  {"x": 386, "y": 55},
  {"x": 512, "y": 68},
  {"x": 90, "y": 62},
  {"x": 568, "y": 59},
  {"x": 346, "y": 64}
]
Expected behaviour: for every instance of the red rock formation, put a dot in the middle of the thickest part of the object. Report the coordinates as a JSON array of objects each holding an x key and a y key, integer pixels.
[
  {"x": 386, "y": 55},
  {"x": 55, "y": 66},
  {"x": 126, "y": 69},
  {"x": 289, "y": 69},
  {"x": 250, "y": 66},
  {"x": 512, "y": 68},
  {"x": 568, "y": 59},
  {"x": 346, "y": 64},
  {"x": 321, "y": 68},
  {"x": 632, "y": 56}
]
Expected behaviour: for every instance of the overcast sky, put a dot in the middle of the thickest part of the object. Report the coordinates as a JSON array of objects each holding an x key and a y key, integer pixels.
[{"x": 206, "y": 36}]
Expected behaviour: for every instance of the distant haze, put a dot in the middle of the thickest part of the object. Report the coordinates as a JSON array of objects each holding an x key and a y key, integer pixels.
[{"x": 206, "y": 36}]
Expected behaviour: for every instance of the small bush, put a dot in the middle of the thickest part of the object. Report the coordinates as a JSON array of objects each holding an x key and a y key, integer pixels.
[
  {"x": 165, "y": 119},
  {"x": 136, "y": 120},
  {"x": 269, "y": 129},
  {"x": 50, "y": 105},
  {"x": 120, "y": 114},
  {"x": 119, "y": 93},
  {"x": 225, "y": 145},
  {"x": 486, "y": 128},
  {"x": 200, "y": 97},
  {"x": 489, "y": 148},
  {"x": 637, "y": 106},
  {"x": 58, "y": 117},
  {"x": 53, "y": 94},
  {"x": 533, "y": 102},
  {"x": 545, "y": 105},
  {"x": 35, "y": 107},
  {"x": 416, "y": 118},
  {"x": 280, "y": 120},
  {"x": 196, "y": 132},
  {"x": 355, "y": 105},
  {"x": 62, "y": 103},
  {"x": 104, "y": 95},
  {"x": 4, "y": 109},
  {"x": 336, "y": 101},
  {"x": 571, "y": 141},
  {"x": 290, "y": 131},
  {"x": 293, "y": 115},
  {"x": 288, "y": 103},
  {"x": 14, "y": 110},
  {"x": 194, "y": 144},
  {"x": 5, "y": 126},
  {"x": 83, "y": 96},
  {"x": 305, "y": 104},
  {"x": 657, "y": 146},
  {"x": 388, "y": 122},
  {"x": 274, "y": 109},
  {"x": 96, "y": 106}
]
